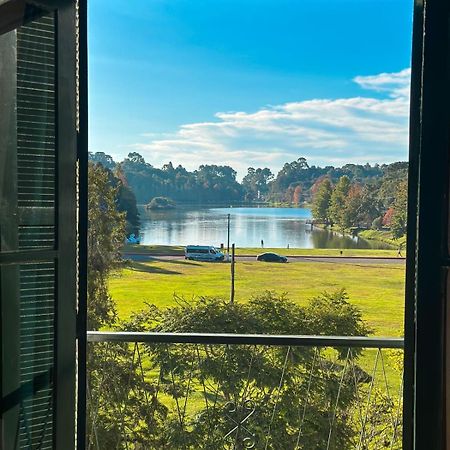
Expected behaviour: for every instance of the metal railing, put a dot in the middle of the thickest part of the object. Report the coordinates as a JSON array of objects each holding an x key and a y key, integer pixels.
[
  {"x": 216, "y": 391},
  {"x": 245, "y": 339}
]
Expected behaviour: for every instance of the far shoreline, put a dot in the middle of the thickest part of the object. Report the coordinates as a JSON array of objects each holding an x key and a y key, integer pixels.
[{"x": 237, "y": 205}]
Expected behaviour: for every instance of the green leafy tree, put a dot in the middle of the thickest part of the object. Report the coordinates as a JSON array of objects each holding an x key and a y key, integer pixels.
[
  {"x": 352, "y": 207},
  {"x": 106, "y": 233},
  {"x": 400, "y": 206},
  {"x": 102, "y": 158},
  {"x": 125, "y": 200},
  {"x": 361, "y": 207},
  {"x": 393, "y": 174},
  {"x": 322, "y": 201},
  {"x": 339, "y": 214},
  {"x": 136, "y": 158},
  {"x": 256, "y": 182},
  {"x": 370, "y": 206}
]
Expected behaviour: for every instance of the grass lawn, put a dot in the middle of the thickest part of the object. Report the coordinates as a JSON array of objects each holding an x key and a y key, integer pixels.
[
  {"x": 162, "y": 250},
  {"x": 377, "y": 289}
]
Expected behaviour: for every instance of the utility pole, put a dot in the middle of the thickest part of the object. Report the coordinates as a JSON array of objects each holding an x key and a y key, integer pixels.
[
  {"x": 228, "y": 235},
  {"x": 232, "y": 275}
]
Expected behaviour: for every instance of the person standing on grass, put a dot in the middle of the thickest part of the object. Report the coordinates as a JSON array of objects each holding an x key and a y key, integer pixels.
[{"x": 262, "y": 243}]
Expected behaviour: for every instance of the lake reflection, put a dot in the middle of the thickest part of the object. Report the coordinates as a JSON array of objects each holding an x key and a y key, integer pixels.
[{"x": 277, "y": 227}]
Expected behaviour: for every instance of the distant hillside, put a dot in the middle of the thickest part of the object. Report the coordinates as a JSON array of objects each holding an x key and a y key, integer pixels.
[{"x": 296, "y": 183}]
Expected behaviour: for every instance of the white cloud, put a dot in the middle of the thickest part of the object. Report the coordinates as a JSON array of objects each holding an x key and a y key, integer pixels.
[
  {"x": 397, "y": 83},
  {"x": 325, "y": 131}
]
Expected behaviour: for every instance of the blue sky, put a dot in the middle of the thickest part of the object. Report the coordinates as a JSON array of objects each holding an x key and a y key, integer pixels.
[{"x": 250, "y": 82}]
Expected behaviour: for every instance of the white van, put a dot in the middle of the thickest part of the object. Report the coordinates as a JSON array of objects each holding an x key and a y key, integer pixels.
[{"x": 203, "y": 253}]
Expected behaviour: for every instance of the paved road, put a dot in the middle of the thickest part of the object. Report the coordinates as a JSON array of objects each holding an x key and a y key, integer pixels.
[{"x": 292, "y": 259}]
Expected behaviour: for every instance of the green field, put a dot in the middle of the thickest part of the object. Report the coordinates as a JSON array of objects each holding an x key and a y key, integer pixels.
[{"x": 377, "y": 289}]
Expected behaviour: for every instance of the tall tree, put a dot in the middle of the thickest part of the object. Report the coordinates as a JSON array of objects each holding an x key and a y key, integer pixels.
[
  {"x": 136, "y": 158},
  {"x": 352, "y": 206},
  {"x": 361, "y": 206},
  {"x": 338, "y": 211},
  {"x": 370, "y": 206},
  {"x": 399, "y": 217},
  {"x": 322, "y": 202},
  {"x": 102, "y": 158},
  {"x": 256, "y": 182},
  {"x": 296, "y": 197},
  {"x": 106, "y": 233},
  {"x": 126, "y": 201}
]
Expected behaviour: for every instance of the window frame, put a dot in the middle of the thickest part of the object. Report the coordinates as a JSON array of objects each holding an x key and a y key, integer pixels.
[
  {"x": 426, "y": 408},
  {"x": 427, "y": 338}
]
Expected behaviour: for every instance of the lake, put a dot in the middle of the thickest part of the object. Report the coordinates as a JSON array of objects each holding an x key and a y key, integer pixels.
[{"x": 277, "y": 227}]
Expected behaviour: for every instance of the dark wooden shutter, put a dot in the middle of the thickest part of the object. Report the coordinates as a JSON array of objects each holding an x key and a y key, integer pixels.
[
  {"x": 36, "y": 198},
  {"x": 38, "y": 231},
  {"x": 427, "y": 336}
]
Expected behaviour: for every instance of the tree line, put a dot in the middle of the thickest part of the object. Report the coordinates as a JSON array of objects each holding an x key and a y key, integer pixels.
[
  {"x": 354, "y": 205},
  {"x": 207, "y": 184},
  {"x": 294, "y": 183}
]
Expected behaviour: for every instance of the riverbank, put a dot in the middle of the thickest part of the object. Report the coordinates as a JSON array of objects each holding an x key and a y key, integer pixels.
[
  {"x": 171, "y": 250},
  {"x": 384, "y": 236}
]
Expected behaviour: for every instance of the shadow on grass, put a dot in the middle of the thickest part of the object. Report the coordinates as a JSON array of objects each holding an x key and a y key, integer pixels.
[
  {"x": 154, "y": 250},
  {"x": 175, "y": 261},
  {"x": 140, "y": 267}
]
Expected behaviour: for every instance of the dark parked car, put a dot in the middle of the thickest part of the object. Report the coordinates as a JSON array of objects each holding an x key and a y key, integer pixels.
[{"x": 271, "y": 257}]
